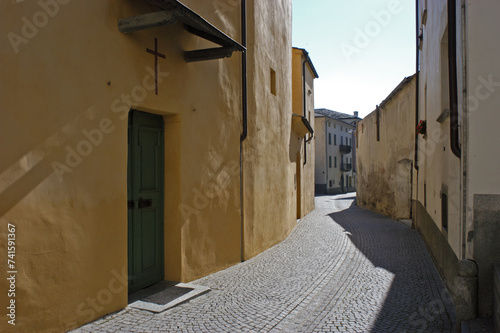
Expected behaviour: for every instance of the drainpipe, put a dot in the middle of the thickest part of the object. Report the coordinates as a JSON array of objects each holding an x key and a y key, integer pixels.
[
  {"x": 304, "y": 105},
  {"x": 417, "y": 96},
  {"x": 452, "y": 70},
  {"x": 417, "y": 86},
  {"x": 244, "y": 107},
  {"x": 244, "y": 83},
  {"x": 326, "y": 152}
]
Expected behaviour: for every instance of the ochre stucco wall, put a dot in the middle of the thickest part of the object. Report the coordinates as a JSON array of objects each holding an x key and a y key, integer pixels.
[
  {"x": 305, "y": 161},
  {"x": 78, "y": 72},
  {"x": 268, "y": 163},
  {"x": 385, "y": 166}
]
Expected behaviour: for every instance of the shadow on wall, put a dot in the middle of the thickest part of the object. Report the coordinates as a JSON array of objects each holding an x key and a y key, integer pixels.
[{"x": 406, "y": 257}]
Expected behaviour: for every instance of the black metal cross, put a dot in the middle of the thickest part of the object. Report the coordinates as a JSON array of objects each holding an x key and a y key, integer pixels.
[{"x": 156, "y": 54}]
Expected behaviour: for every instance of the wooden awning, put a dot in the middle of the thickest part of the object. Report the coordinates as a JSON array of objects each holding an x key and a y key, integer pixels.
[
  {"x": 173, "y": 11},
  {"x": 301, "y": 125}
]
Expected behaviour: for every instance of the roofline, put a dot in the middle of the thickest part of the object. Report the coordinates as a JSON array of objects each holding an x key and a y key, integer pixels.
[
  {"x": 350, "y": 116},
  {"x": 400, "y": 86},
  {"x": 339, "y": 120},
  {"x": 308, "y": 60}
]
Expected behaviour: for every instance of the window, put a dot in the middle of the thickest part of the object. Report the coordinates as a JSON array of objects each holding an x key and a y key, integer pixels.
[
  {"x": 329, "y": 138},
  {"x": 335, "y": 161},
  {"x": 341, "y": 128},
  {"x": 350, "y": 141},
  {"x": 329, "y": 124},
  {"x": 444, "y": 207},
  {"x": 335, "y": 139},
  {"x": 273, "y": 81},
  {"x": 330, "y": 161},
  {"x": 334, "y": 125},
  {"x": 331, "y": 183}
]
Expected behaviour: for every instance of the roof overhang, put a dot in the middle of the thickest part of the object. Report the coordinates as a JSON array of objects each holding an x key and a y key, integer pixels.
[
  {"x": 173, "y": 11},
  {"x": 308, "y": 61},
  {"x": 301, "y": 125}
]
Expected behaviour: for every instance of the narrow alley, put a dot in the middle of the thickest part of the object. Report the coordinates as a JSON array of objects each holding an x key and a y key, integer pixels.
[{"x": 342, "y": 269}]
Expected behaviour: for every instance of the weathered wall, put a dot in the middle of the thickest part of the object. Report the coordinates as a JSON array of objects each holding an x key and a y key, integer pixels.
[
  {"x": 71, "y": 219},
  {"x": 309, "y": 156},
  {"x": 474, "y": 174},
  {"x": 385, "y": 165},
  {"x": 269, "y": 207},
  {"x": 320, "y": 155},
  {"x": 481, "y": 145}
]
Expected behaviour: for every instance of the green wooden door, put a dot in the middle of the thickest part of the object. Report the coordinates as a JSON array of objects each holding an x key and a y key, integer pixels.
[{"x": 145, "y": 200}]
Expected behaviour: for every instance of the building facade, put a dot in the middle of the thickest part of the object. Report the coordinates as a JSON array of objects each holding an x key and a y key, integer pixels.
[
  {"x": 156, "y": 143},
  {"x": 304, "y": 74},
  {"x": 453, "y": 154},
  {"x": 457, "y": 197},
  {"x": 335, "y": 152},
  {"x": 384, "y": 149}
]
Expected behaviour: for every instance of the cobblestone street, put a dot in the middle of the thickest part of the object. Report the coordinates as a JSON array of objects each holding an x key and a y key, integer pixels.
[{"x": 342, "y": 269}]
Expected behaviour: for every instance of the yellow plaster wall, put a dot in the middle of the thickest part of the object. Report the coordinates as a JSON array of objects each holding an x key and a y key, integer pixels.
[
  {"x": 269, "y": 203},
  {"x": 385, "y": 166},
  {"x": 78, "y": 72},
  {"x": 307, "y": 170}
]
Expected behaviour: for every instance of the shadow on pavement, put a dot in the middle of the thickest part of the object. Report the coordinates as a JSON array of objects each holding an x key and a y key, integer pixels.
[{"x": 417, "y": 300}]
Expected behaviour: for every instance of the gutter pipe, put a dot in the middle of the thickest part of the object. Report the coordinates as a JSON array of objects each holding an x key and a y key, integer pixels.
[
  {"x": 244, "y": 110},
  {"x": 452, "y": 70}
]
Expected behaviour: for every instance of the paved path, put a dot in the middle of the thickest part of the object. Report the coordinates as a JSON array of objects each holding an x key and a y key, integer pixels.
[{"x": 342, "y": 269}]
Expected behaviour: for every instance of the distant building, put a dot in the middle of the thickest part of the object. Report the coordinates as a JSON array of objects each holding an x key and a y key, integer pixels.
[{"x": 335, "y": 151}]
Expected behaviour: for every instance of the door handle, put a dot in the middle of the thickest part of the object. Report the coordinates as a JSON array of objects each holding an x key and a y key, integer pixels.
[{"x": 145, "y": 203}]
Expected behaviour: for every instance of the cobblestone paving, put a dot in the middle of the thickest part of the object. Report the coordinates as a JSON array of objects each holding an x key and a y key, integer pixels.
[{"x": 342, "y": 269}]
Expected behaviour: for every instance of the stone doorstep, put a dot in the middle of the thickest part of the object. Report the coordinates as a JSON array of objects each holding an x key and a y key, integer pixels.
[{"x": 157, "y": 308}]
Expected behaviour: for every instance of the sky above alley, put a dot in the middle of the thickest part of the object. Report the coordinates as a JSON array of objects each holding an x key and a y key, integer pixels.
[{"x": 362, "y": 49}]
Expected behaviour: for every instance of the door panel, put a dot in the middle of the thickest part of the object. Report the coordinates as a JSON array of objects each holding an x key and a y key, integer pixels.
[{"x": 145, "y": 194}]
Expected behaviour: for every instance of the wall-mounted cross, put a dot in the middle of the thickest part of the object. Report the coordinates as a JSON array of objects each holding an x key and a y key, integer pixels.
[{"x": 156, "y": 54}]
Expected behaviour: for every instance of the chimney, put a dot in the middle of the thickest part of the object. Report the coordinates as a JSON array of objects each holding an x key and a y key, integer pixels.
[{"x": 355, "y": 113}]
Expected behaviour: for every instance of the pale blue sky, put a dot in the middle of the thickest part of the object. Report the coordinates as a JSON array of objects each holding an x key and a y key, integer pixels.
[{"x": 362, "y": 49}]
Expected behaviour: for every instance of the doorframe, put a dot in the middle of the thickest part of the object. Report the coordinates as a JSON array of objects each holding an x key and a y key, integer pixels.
[{"x": 130, "y": 212}]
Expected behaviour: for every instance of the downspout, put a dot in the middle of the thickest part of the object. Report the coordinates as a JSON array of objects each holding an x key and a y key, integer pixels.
[
  {"x": 304, "y": 105},
  {"x": 464, "y": 130},
  {"x": 417, "y": 86},
  {"x": 417, "y": 106},
  {"x": 244, "y": 80},
  {"x": 326, "y": 152},
  {"x": 452, "y": 70},
  {"x": 244, "y": 108}
]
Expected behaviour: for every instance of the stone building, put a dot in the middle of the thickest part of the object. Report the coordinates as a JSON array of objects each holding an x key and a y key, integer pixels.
[
  {"x": 384, "y": 146},
  {"x": 335, "y": 143},
  {"x": 149, "y": 146}
]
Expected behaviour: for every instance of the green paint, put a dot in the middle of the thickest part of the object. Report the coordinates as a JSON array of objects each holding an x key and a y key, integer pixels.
[{"x": 145, "y": 180}]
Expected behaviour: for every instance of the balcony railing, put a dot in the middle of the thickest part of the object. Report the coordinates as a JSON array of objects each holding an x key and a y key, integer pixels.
[
  {"x": 345, "y": 149},
  {"x": 344, "y": 167}
]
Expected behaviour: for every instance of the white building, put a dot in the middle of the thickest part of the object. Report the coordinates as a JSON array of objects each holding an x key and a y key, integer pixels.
[
  {"x": 335, "y": 151},
  {"x": 457, "y": 185}
]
